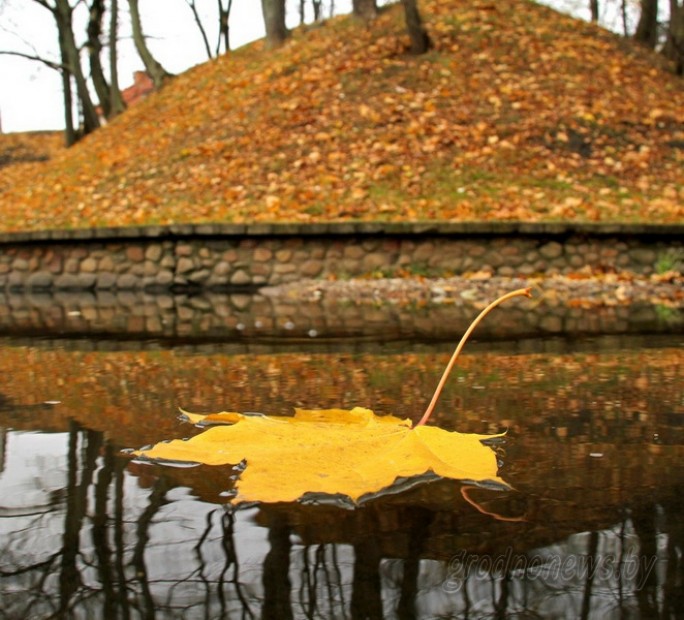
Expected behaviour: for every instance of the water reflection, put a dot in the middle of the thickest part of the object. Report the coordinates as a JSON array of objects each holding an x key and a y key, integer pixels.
[
  {"x": 89, "y": 539},
  {"x": 242, "y": 318},
  {"x": 592, "y": 529}
]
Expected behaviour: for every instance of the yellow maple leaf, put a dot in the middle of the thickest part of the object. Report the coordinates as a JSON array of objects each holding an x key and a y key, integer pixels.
[{"x": 332, "y": 452}]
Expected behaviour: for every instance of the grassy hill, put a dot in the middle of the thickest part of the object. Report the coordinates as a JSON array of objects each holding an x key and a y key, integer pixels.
[
  {"x": 518, "y": 113},
  {"x": 29, "y": 146}
]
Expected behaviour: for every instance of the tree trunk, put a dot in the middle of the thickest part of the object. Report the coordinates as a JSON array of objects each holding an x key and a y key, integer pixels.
[
  {"x": 274, "y": 20},
  {"x": 365, "y": 9},
  {"x": 594, "y": 8},
  {"x": 317, "y": 9},
  {"x": 674, "y": 46},
  {"x": 94, "y": 46},
  {"x": 154, "y": 69},
  {"x": 420, "y": 40},
  {"x": 224, "y": 26},
  {"x": 70, "y": 137},
  {"x": 62, "y": 13},
  {"x": 116, "y": 100},
  {"x": 647, "y": 28}
]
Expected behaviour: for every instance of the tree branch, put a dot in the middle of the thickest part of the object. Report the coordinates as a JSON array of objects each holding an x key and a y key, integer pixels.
[
  {"x": 57, "y": 66},
  {"x": 45, "y": 5},
  {"x": 193, "y": 7}
]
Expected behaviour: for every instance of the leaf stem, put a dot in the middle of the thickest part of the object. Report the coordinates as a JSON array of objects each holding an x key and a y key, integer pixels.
[{"x": 428, "y": 412}]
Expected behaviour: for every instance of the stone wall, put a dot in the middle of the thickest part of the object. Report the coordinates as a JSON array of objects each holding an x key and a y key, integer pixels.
[{"x": 236, "y": 256}]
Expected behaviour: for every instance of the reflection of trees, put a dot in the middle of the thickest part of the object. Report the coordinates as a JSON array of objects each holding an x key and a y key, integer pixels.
[
  {"x": 102, "y": 564},
  {"x": 69, "y": 567},
  {"x": 142, "y": 538},
  {"x": 662, "y": 595},
  {"x": 276, "y": 579},
  {"x": 127, "y": 552},
  {"x": 3, "y": 448},
  {"x": 76, "y": 498},
  {"x": 366, "y": 600}
]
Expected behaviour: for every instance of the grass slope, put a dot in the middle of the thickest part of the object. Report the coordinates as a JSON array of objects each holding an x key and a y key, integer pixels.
[
  {"x": 29, "y": 146},
  {"x": 518, "y": 113}
]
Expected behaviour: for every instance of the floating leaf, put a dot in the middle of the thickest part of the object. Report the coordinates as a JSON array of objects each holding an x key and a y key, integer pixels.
[
  {"x": 336, "y": 452},
  {"x": 333, "y": 452}
]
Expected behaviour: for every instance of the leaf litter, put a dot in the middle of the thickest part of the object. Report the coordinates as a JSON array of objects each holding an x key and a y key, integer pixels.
[{"x": 510, "y": 117}]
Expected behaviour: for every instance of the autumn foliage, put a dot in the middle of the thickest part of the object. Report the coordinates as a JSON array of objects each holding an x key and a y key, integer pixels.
[
  {"x": 516, "y": 113},
  {"x": 33, "y": 146},
  {"x": 332, "y": 451}
]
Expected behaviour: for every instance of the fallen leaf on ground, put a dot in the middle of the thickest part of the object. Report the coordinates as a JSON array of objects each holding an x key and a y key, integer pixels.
[{"x": 332, "y": 452}]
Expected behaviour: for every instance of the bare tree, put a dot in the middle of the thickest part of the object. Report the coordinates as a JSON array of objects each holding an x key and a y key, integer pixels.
[
  {"x": 624, "y": 13},
  {"x": 205, "y": 39},
  {"x": 224, "y": 26},
  {"x": 94, "y": 47},
  {"x": 70, "y": 69},
  {"x": 420, "y": 40},
  {"x": 594, "y": 8},
  {"x": 116, "y": 101},
  {"x": 674, "y": 44},
  {"x": 365, "y": 9},
  {"x": 63, "y": 14},
  {"x": 154, "y": 69},
  {"x": 75, "y": 82},
  {"x": 274, "y": 20}
]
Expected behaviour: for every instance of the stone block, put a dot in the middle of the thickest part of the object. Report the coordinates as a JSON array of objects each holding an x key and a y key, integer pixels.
[
  {"x": 39, "y": 280},
  {"x": 197, "y": 277},
  {"x": 106, "y": 280},
  {"x": 183, "y": 249},
  {"x": 374, "y": 261},
  {"x": 311, "y": 268},
  {"x": 72, "y": 265},
  {"x": 240, "y": 278},
  {"x": 164, "y": 277},
  {"x": 283, "y": 268},
  {"x": 20, "y": 264},
  {"x": 135, "y": 254},
  {"x": 89, "y": 265},
  {"x": 128, "y": 281},
  {"x": 184, "y": 265},
  {"x": 75, "y": 281},
  {"x": 551, "y": 250},
  {"x": 283, "y": 255},
  {"x": 154, "y": 253}
]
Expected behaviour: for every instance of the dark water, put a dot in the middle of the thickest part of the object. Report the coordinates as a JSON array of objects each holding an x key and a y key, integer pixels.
[{"x": 592, "y": 527}]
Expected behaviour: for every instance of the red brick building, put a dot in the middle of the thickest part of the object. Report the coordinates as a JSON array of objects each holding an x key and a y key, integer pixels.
[{"x": 141, "y": 87}]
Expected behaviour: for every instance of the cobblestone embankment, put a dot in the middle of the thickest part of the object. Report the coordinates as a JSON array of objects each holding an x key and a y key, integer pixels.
[{"x": 215, "y": 257}]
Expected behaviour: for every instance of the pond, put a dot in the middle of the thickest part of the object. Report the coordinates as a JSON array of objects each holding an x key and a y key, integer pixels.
[{"x": 590, "y": 527}]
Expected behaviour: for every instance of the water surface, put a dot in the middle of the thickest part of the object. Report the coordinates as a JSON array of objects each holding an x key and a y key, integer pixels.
[{"x": 593, "y": 453}]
